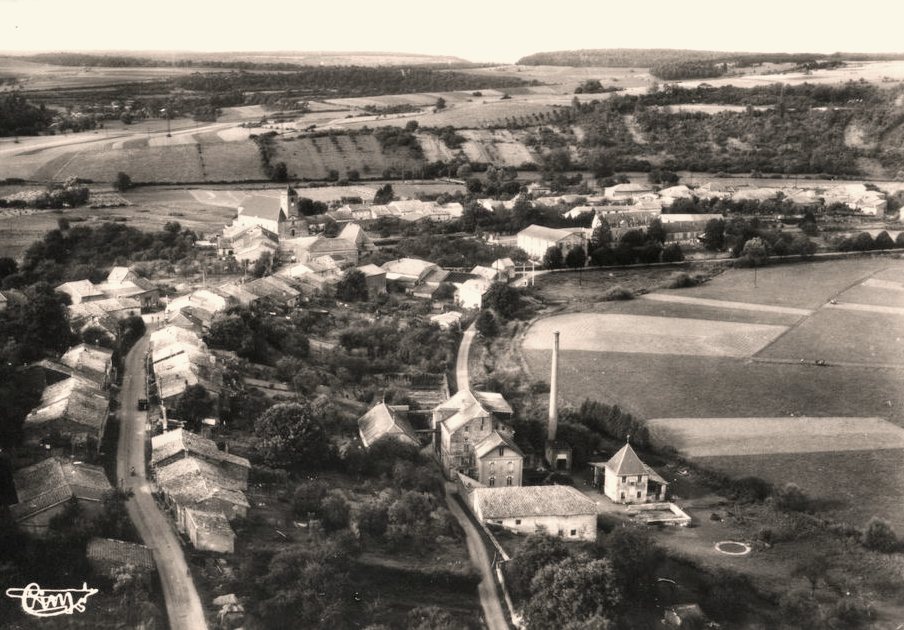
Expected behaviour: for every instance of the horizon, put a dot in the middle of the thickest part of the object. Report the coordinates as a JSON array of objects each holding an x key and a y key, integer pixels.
[{"x": 474, "y": 31}]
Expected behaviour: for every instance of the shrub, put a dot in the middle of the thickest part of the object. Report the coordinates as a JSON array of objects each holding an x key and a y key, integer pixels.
[
  {"x": 790, "y": 497},
  {"x": 618, "y": 292},
  {"x": 682, "y": 280},
  {"x": 879, "y": 536},
  {"x": 335, "y": 510},
  {"x": 751, "y": 489}
]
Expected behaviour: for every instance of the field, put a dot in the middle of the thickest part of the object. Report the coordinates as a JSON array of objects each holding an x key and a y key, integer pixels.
[{"x": 726, "y": 390}]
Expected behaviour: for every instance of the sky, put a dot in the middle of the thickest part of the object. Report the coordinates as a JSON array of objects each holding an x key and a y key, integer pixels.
[{"x": 478, "y": 30}]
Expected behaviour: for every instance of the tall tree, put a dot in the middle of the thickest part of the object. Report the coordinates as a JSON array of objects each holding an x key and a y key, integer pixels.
[
  {"x": 578, "y": 589},
  {"x": 290, "y": 436},
  {"x": 553, "y": 258}
]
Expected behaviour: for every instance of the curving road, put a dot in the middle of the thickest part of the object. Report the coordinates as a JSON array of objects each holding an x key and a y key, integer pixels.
[
  {"x": 183, "y": 606},
  {"x": 477, "y": 551}
]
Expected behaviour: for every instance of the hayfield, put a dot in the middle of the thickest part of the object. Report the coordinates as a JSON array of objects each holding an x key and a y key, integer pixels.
[
  {"x": 838, "y": 335},
  {"x": 805, "y": 285},
  {"x": 716, "y": 437},
  {"x": 177, "y": 163},
  {"x": 232, "y": 161},
  {"x": 652, "y": 335}
]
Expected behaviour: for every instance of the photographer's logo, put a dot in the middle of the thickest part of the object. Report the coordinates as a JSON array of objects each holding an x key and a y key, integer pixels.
[{"x": 50, "y": 603}]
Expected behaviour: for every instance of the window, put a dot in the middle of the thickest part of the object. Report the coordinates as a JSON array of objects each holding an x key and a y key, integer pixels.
[
  {"x": 517, "y": 521},
  {"x": 574, "y": 532},
  {"x": 511, "y": 466},
  {"x": 492, "y": 482},
  {"x": 508, "y": 480},
  {"x": 501, "y": 451},
  {"x": 467, "y": 428},
  {"x": 638, "y": 494}
]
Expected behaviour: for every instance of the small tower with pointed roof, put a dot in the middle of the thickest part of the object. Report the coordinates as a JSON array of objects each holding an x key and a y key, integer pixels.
[{"x": 629, "y": 480}]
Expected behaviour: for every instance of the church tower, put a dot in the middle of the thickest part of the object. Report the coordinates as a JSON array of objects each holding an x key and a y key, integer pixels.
[{"x": 288, "y": 202}]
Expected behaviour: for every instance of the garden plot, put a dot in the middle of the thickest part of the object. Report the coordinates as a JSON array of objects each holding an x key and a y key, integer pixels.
[
  {"x": 652, "y": 335},
  {"x": 435, "y": 150}
]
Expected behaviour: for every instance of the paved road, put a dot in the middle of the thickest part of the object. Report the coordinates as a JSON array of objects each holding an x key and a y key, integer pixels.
[
  {"x": 183, "y": 606},
  {"x": 489, "y": 596},
  {"x": 462, "y": 377}
]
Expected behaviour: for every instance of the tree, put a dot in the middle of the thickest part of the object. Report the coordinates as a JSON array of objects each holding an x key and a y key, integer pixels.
[
  {"x": 290, "y": 436},
  {"x": 122, "y": 182},
  {"x": 813, "y": 569},
  {"x": 879, "y": 536},
  {"x": 263, "y": 265},
  {"x": 8, "y": 266},
  {"x": 791, "y": 498},
  {"x": 334, "y": 512},
  {"x": 635, "y": 560},
  {"x": 576, "y": 258},
  {"x": 352, "y": 287},
  {"x": 553, "y": 258},
  {"x": 799, "y": 610},
  {"x": 808, "y": 224},
  {"x": 755, "y": 252},
  {"x": 538, "y": 551},
  {"x": 486, "y": 324},
  {"x": 280, "y": 172},
  {"x": 440, "y": 104},
  {"x": 308, "y": 497},
  {"x": 899, "y": 241},
  {"x": 384, "y": 195},
  {"x": 602, "y": 235},
  {"x": 714, "y": 235},
  {"x": 504, "y": 299},
  {"x": 655, "y": 231},
  {"x": 431, "y": 618},
  {"x": 63, "y": 224},
  {"x": 671, "y": 253},
  {"x": 194, "y": 405},
  {"x": 863, "y": 242},
  {"x": 576, "y": 588},
  {"x": 883, "y": 241}
]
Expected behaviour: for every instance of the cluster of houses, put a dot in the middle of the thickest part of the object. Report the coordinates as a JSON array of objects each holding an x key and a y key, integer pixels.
[
  {"x": 204, "y": 486},
  {"x": 100, "y": 306},
  {"x": 628, "y": 206}
]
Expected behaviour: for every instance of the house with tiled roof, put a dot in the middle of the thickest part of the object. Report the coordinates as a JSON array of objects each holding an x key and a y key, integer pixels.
[
  {"x": 123, "y": 282},
  {"x": 113, "y": 309},
  {"x": 354, "y": 233},
  {"x": 374, "y": 278},
  {"x": 107, "y": 555},
  {"x": 505, "y": 267},
  {"x": 557, "y": 510},
  {"x": 44, "y": 489},
  {"x": 179, "y": 358},
  {"x": 273, "y": 288},
  {"x": 536, "y": 239},
  {"x": 408, "y": 271},
  {"x": 499, "y": 460},
  {"x": 72, "y": 412},
  {"x": 386, "y": 421},
  {"x": 92, "y": 362},
  {"x": 209, "y": 531},
  {"x": 628, "y": 480},
  {"x": 464, "y": 420},
  {"x": 81, "y": 291},
  {"x": 179, "y": 444}
]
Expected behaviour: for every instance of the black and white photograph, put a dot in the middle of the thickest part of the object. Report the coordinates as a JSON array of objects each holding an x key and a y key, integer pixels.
[{"x": 451, "y": 316}]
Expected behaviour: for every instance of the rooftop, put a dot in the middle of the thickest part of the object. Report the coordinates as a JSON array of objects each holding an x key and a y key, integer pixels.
[
  {"x": 171, "y": 443},
  {"x": 267, "y": 208},
  {"x": 53, "y": 481},
  {"x": 526, "y": 501},
  {"x": 493, "y": 441},
  {"x": 547, "y": 233},
  {"x": 119, "y": 552},
  {"x": 386, "y": 421}
]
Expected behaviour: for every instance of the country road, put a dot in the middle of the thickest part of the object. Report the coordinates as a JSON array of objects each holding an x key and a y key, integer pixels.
[
  {"x": 183, "y": 606},
  {"x": 489, "y": 596},
  {"x": 462, "y": 378}
]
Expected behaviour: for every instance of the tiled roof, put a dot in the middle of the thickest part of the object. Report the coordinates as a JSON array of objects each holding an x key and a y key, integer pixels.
[
  {"x": 385, "y": 421},
  {"x": 408, "y": 268},
  {"x": 119, "y": 552},
  {"x": 626, "y": 462},
  {"x": 118, "y": 307},
  {"x": 267, "y": 208},
  {"x": 52, "y": 481},
  {"x": 372, "y": 270},
  {"x": 74, "y": 399},
  {"x": 93, "y": 361},
  {"x": 167, "y": 444},
  {"x": 493, "y": 441},
  {"x": 80, "y": 289},
  {"x": 546, "y": 233},
  {"x": 526, "y": 501},
  {"x": 213, "y": 522}
]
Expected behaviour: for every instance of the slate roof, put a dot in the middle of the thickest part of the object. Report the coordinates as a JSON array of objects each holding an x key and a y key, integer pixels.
[
  {"x": 119, "y": 553},
  {"x": 52, "y": 481},
  {"x": 493, "y": 441},
  {"x": 386, "y": 421},
  {"x": 527, "y": 501},
  {"x": 626, "y": 462}
]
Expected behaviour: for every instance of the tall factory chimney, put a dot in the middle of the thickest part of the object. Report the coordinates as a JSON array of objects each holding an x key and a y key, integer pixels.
[{"x": 553, "y": 423}]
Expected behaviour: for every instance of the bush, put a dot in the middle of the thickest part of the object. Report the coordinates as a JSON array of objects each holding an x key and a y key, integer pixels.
[
  {"x": 486, "y": 324},
  {"x": 334, "y": 511},
  {"x": 618, "y": 292},
  {"x": 879, "y": 536},
  {"x": 791, "y": 498},
  {"x": 751, "y": 489},
  {"x": 682, "y": 280},
  {"x": 308, "y": 497}
]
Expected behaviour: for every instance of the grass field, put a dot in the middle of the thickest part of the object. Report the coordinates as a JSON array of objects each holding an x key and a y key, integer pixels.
[
  {"x": 314, "y": 158},
  {"x": 854, "y": 485},
  {"x": 597, "y": 332},
  {"x": 715, "y": 437}
]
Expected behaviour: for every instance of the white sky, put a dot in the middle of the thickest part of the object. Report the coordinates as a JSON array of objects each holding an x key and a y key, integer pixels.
[{"x": 477, "y": 30}]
